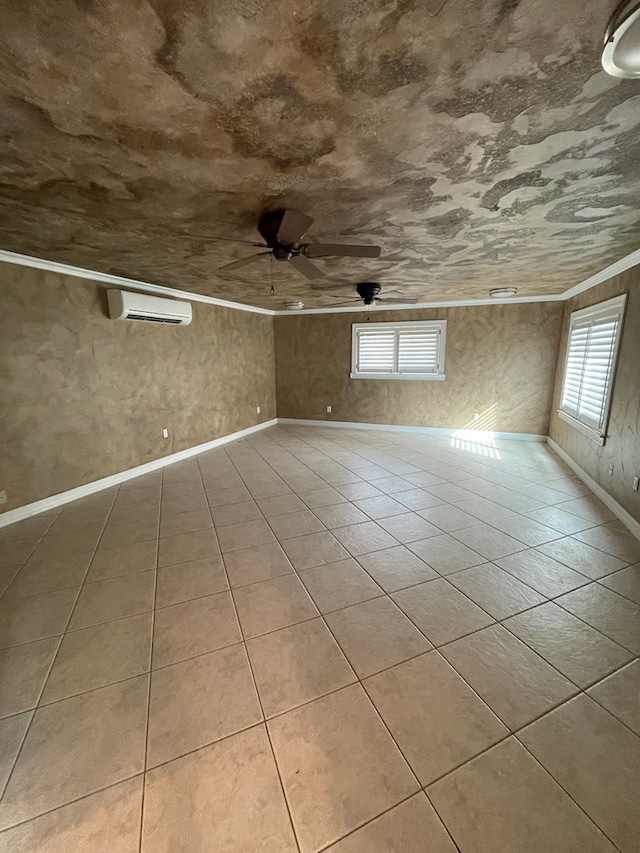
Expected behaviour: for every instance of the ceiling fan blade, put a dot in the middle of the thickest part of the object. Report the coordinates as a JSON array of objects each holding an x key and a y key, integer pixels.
[
  {"x": 243, "y": 262},
  {"x": 219, "y": 239},
  {"x": 346, "y": 304},
  {"x": 308, "y": 270},
  {"x": 294, "y": 224},
  {"x": 391, "y": 294},
  {"x": 400, "y": 301},
  {"x": 352, "y": 299},
  {"x": 340, "y": 250}
]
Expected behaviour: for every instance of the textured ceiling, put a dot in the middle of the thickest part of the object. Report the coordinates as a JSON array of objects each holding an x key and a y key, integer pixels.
[{"x": 477, "y": 141}]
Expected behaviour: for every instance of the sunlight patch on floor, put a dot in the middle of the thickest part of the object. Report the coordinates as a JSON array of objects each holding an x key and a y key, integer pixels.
[{"x": 477, "y": 436}]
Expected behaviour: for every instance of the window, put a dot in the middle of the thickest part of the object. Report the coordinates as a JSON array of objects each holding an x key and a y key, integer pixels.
[
  {"x": 398, "y": 350},
  {"x": 594, "y": 338}
]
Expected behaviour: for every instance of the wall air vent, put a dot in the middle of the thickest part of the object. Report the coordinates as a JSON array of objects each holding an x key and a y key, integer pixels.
[
  {"x": 146, "y": 319},
  {"x": 141, "y": 308}
]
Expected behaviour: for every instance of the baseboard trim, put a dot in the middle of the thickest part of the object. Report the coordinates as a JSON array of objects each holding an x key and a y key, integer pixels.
[
  {"x": 625, "y": 517},
  {"x": 83, "y": 491},
  {"x": 457, "y": 433},
  {"x": 28, "y": 510}
]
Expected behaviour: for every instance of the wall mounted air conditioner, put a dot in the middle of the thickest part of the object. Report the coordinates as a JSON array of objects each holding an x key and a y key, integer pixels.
[{"x": 126, "y": 305}]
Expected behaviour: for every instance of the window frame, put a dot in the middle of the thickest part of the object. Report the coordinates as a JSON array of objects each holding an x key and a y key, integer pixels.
[
  {"x": 440, "y": 325},
  {"x": 599, "y": 310}
]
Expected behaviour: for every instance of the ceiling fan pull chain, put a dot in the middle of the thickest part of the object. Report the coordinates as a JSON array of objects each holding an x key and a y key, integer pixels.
[{"x": 272, "y": 288}]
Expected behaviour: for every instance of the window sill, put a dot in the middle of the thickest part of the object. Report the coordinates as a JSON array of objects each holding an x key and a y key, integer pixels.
[
  {"x": 590, "y": 432},
  {"x": 416, "y": 376}
]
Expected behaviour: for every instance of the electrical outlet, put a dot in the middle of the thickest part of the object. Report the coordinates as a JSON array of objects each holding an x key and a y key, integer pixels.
[
  {"x": 257, "y": 410},
  {"x": 476, "y": 416},
  {"x": 636, "y": 485},
  {"x": 165, "y": 433},
  {"x": 3, "y": 497},
  {"x": 328, "y": 410},
  {"x": 611, "y": 470}
]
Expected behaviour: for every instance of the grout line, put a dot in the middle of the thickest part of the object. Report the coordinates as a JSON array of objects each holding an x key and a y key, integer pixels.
[
  {"x": 507, "y": 736},
  {"x": 39, "y": 536},
  {"x": 621, "y": 594},
  {"x": 360, "y": 682},
  {"x": 401, "y": 802},
  {"x": 362, "y": 686},
  {"x": 149, "y": 679},
  {"x": 548, "y": 599},
  {"x": 561, "y": 786},
  {"x": 322, "y": 616},
  {"x": 439, "y": 816},
  {"x": 487, "y": 560},
  {"x": 517, "y": 638},
  {"x": 257, "y": 693},
  {"x": 70, "y": 803},
  {"x": 588, "y": 624},
  {"x": 52, "y": 663}
]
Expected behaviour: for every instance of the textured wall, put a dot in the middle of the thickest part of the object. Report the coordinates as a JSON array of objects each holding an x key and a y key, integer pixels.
[
  {"x": 84, "y": 396},
  {"x": 478, "y": 141},
  {"x": 500, "y": 361},
  {"x": 622, "y": 448}
]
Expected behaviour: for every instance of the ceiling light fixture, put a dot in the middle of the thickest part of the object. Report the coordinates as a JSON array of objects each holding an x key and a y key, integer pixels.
[
  {"x": 294, "y": 305},
  {"x": 502, "y": 292},
  {"x": 621, "y": 53}
]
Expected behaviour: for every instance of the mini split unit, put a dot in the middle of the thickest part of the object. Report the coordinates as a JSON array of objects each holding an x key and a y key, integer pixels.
[{"x": 125, "y": 305}]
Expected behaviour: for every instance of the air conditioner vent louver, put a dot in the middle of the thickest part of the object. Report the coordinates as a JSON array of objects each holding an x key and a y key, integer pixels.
[
  {"x": 147, "y": 319},
  {"x": 127, "y": 305}
]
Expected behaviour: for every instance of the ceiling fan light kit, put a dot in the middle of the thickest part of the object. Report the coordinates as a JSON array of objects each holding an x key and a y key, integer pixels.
[{"x": 621, "y": 53}]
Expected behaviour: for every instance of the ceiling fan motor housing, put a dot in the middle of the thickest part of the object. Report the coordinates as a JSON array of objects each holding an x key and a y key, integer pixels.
[
  {"x": 368, "y": 290},
  {"x": 268, "y": 226}
]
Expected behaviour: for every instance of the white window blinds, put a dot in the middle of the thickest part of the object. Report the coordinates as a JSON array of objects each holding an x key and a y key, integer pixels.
[
  {"x": 376, "y": 351},
  {"x": 398, "y": 350},
  {"x": 594, "y": 337}
]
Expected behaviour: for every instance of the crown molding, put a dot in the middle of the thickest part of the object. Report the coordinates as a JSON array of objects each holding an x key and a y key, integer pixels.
[
  {"x": 612, "y": 270},
  {"x": 131, "y": 283},
  {"x": 441, "y": 303},
  {"x": 624, "y": 264}
]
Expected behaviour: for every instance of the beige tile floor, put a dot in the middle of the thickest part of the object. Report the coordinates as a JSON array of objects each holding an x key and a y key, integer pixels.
[{"x": 324, "y": 640}]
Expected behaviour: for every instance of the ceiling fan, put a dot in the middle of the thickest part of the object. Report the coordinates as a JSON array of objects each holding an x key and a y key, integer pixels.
[
  {"x": 370, "y": 293},
  {"x": 282, "y": 231}
]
